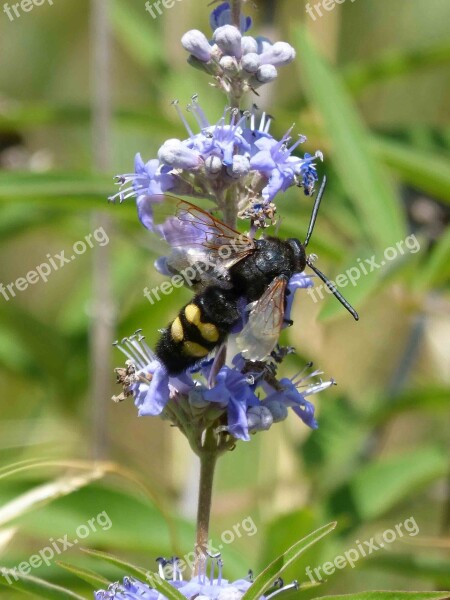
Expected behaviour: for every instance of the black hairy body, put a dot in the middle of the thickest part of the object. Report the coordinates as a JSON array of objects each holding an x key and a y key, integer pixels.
[{"x": 206, "y": 321}]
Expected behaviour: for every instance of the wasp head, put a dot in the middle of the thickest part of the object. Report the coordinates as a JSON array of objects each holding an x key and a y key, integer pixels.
[{"x": 299, "y": 254}]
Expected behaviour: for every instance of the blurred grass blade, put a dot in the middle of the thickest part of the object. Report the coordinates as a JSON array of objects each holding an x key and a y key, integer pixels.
[
  {"x": 432, "y": 568},
  {"x": 401, "y": 476},
  {"x": 36, "y": 587},
  {"x": 267, "y": 577},
  {"x": 25, "y": 184},
  {"x": 153, "y": 579},
  {"x": 395, "y": 63},
  {"x": 361, "y": 174},
  {"x": 43, "y": 494},
  {"x": 97, "y": 581},
  {"x": 419, "y": 398},
  {"x": 140, "y": 40},
  {"x": 390, "y": 596},
  {"x": 6, "y": 535},
  {"x": 428, "y": 172},
  {"x": 436, "y": 271}
]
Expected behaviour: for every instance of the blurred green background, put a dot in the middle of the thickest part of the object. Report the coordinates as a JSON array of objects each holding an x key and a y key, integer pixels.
[{"x": 370, "y": 88}]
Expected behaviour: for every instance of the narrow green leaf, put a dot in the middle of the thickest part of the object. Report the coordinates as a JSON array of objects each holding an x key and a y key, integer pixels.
[
  {"x": 382, "y": 595},
  {"x": 429, "y": 172},
  {"x": 97, "y": 581},
  {"x": 427, "y": 566},
  {"x": 430, "y": 398},
  {"x": 401, "y": 476},
  {"x": 436, "y": 271},
  {"x": 138, "y": 38},
  {"x": 394, "y": 63},
  {"x": 14, "y": 184},
  {"x": 45, "y": 493},
  {"x": 363, "y": 177},
  {"x": 35, "y": 586},
  {"x": 266, "y": 578},
  {"x": 150, "y": 578}
]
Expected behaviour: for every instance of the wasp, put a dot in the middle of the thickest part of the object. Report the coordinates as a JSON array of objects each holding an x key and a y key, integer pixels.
[{"x": 256, "y": 270}]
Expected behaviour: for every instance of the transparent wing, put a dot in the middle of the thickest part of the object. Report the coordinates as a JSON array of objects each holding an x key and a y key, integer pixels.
[
  {"x": 260, "y": 335},
  {"x": 194, "y": 230}
]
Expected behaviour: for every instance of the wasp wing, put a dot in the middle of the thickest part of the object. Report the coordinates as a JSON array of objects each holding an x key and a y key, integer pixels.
[
  {"x": 200, "y": 235},
  {"x": 260, "y": 335}
]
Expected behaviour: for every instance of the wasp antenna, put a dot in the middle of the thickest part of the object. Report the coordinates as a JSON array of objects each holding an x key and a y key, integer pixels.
[
  {"x": 333, "y": 290},
  {"x": 315, "y": 210}
]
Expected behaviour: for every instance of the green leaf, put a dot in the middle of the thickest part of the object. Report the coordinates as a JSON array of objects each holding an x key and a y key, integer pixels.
[
  {"x": 427, "y": 171},
  {"x": 267, "y": 577},
  {"x": 362, "y": 176},
  {"x": 141, "y": 41},
  {"x": 17, "y": 184},
  {"x": 97, "y": 581},
  {"x": 436, "y": 271},
  {"x": 425, "y": 566},
  {"x": 35, "y": 586},
  {"x": 394, "y": 63},
  {"x": 283, "y": 532},
  {"x": 152, "y": 579},
  {"x": 43, "y": 494},
  {"x": 430, "y": 398},
  {"x": 382, "y": 595},
  {"x": 400, "y": 476}
]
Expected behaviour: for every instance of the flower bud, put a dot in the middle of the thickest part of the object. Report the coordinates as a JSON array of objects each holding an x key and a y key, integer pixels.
[
  {"x": 175, "y": 154},
  {"x": 249, "y": 44},
  {"x": 266, "y": 73},
  {"x": 196, "y": 43},
  {"x": 281, "y": 53},
  {"x": 213, "y": 165},
  {"x": 161, "y": 266},
  {"x": 229, "y": 64},
  {"x": 277, "y": 409},
  {"x": 196, "y": 398},
  {"x": 259, "y": 418},
  {"x": 228, "y": 38},
  {"x": 251, "y": 62},
  {"x": 240, "y": 166}
]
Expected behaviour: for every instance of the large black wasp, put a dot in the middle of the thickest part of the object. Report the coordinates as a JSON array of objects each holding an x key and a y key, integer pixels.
[{"x": 256, "y": 270}]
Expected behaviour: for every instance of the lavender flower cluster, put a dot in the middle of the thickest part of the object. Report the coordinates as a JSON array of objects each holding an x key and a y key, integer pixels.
[
  {"x": 235, "y": 160},
  {"x": 203, "y": 586},
  {"x": 238, "y": 152},
  {"x": 232, "y": 404},
  {"x": 239, "y": 63}
]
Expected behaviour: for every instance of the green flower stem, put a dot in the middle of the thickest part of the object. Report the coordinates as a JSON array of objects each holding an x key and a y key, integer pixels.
[{"x": 208, "y": 459}]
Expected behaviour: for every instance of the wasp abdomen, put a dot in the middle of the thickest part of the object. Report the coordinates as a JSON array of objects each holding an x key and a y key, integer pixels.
[{"x": 200, "y": 326}]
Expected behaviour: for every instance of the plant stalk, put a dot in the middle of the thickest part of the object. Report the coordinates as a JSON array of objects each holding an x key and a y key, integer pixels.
[
  {"x": 208, "y": 460},
  {"x": 236, "y": 13}
]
